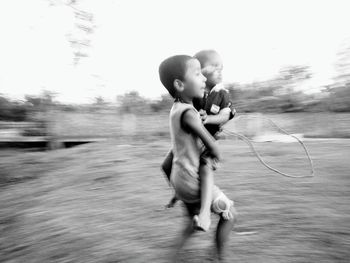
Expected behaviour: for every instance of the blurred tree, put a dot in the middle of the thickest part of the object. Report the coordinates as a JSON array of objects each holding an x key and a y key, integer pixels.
[
  {"x": 84, "y": 26},
  {"x": 12, "y": 110},
  {"x": 164, "y": 104},
  {"x": 40, "y": 108},
  {"x": 339, "y": 91},
  {"x": 41, "y": 102},
  {"x": 132, "y": 102},
  {"x": 290, "y": 77},
  {"x": 342, "y": 66},
  {"x": 339, "y": 98},
  {"x": 274, "y": 95},
  {"x": 100, "y": 101},
  {"x": 295, "y": 73}
]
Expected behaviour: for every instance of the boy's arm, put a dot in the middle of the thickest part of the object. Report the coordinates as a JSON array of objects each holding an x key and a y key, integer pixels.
[
  {"x": 221, "y": 118},
  {"x": 191, "y": 122}
]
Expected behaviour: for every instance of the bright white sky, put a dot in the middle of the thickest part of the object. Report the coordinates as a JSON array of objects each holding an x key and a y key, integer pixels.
[{"x": 131, "y": 38}]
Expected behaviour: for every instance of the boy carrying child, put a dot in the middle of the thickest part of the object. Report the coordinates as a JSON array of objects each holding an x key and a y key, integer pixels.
[
  {"x": 214, "y": 107},
  {"x": 192, "y": 164}
]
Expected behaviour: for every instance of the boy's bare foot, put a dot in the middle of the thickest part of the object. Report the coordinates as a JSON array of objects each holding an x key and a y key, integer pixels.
[{"x": 202, "y": 222}]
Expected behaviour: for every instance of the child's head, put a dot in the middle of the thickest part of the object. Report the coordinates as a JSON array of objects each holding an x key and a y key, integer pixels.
[
  {"x": 181, "y": 75},
  {"x": 212, "y": 66}
]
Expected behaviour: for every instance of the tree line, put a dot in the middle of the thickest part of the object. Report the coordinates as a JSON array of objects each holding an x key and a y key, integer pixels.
[{"x": 279, "y": 94}]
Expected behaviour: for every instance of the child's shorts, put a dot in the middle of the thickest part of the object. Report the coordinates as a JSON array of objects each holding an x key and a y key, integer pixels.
[
  {"x": 187, "y": 188},
  {"x": 194, "y": 208},
  {"x": 186, "y": 185}
]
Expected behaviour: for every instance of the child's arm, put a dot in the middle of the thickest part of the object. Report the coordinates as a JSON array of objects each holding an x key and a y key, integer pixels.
[
  {"x": 221, "y": 118},
  {"x": 193, "y": 124},
  {"x": 226, "y": 113}
]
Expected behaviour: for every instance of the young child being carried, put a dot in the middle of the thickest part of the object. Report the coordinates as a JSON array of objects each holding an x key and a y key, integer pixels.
[
  {"x": 192, "y": 176},
  {"x": 215, "y": 109}
]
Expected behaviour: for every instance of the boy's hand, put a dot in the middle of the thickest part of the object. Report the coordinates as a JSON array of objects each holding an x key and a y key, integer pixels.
[{"x": 203, "y": 115}]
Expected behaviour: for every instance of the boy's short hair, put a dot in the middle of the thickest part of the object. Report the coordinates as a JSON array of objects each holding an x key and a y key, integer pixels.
[
  {"x": 204, "y": 55},
  {"x": 173, "y": 68}
]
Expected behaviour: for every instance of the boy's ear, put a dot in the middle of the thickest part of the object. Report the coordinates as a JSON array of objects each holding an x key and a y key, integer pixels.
[{"x": 179, "y": 85}]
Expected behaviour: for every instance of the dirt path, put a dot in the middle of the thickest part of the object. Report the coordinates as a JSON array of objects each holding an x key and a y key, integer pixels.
[{"x": 99, "y": 202}]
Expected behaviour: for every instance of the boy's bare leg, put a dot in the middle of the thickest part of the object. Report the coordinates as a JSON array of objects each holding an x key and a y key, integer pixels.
[
  {"x": 207, "y": 183},
  {"x": 223, "y": 231},
  {"x": 181, "y": 240}
]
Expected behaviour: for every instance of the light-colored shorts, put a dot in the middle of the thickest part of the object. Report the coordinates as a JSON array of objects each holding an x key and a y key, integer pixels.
[{"x": 187, "y": 189}]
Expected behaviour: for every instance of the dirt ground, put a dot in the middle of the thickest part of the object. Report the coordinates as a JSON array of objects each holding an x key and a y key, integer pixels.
[{"x": 101, "y": 202}]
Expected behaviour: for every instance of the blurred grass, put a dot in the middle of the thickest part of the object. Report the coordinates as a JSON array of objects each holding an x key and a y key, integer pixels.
[
  {"x": 113, "y": 124},
  {"x": 99, "y": 203}
]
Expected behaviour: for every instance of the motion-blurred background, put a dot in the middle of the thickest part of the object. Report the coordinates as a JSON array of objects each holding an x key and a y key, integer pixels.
[{"x": 84, "y": 73}]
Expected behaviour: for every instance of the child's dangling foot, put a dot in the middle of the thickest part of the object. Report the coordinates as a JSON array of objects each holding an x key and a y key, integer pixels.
[
  {"x": 171, "y": 203},
  {"x": 202, "y": 222}
]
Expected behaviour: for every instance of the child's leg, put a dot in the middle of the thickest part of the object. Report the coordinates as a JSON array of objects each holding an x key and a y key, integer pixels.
[
  {"x": 223, "y": 231},
  {"x": 224, "y": 207},
  {"x": 166, "y": 167},
  {"x": 172, "y": 202},
  {"x": 206, "y": 185},
  {"x": 192, "y": 209},
  {"x": 181, "y": 240},
  {"x": 167, "y": 164}
]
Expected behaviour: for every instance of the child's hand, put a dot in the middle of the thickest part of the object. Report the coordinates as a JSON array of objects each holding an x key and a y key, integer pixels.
[
  {"x": 233, "y": 112},
  {"x": 215, "y": 164},
  {"x": 201, "y": 222},
  {"x": 203, "y": 115},
  {"x": 215, "y": 153}
]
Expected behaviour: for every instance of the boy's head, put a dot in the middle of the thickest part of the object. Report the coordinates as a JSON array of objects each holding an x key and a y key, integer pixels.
[
  {"x": 212, "y": 66},
  {"x": 181, "y": 75}
]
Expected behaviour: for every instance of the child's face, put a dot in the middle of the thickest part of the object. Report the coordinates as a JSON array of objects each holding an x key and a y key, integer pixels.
[
  {"x": 212, "y": 70},
  {"x": 194, "y": 81}
]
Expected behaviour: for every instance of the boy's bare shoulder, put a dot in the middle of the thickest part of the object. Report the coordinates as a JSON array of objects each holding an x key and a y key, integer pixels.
[{"x": 190, "y": 115}]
